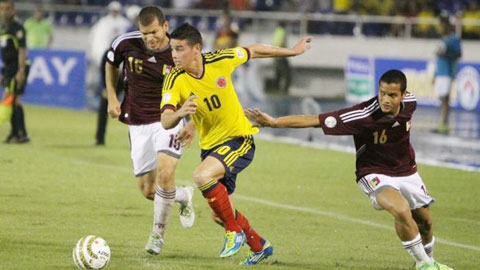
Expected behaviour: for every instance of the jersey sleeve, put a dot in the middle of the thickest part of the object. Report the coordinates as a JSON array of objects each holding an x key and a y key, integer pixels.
[
  {"x": 235, "y": 56},
  {"x": 115, "y": 53},
  {"x": 348, "y": 121},
  {"x": 410, "y": 103},
  {"x": 171, "y": 91},
  {"x": 20, "y": 34}
]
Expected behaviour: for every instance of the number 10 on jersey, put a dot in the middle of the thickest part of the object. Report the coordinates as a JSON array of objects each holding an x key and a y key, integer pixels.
[{"x": 213, "y": 102}]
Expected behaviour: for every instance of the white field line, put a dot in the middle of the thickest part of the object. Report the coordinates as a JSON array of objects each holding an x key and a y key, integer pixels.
[
  {"x": 343, "y": 218},
  {"x": 465, "y": 220},
  {"x": 280, "y": 205}
]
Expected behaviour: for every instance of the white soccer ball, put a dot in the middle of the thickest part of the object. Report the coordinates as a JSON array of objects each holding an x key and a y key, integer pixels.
[{"x": 91, "y": 252}]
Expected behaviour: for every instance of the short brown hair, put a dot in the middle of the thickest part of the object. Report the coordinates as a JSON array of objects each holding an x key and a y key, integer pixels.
[{"x": 148, "y": 14}]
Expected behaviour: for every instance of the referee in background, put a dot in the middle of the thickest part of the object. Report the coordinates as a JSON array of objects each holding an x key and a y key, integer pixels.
[{"x": 15, "y": 67}]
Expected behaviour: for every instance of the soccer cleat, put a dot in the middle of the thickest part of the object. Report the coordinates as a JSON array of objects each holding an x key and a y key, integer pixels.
[
  {"x": 187, "y": 215},
  {"x": 233, "y": 242},
  {"x": 154, "y": 244},
  {"x": 433, "y": 266},
  {"x": 256, "y": 257},
  {"x": 427, "y": 266},
  {"x": 443, "y": 266}
]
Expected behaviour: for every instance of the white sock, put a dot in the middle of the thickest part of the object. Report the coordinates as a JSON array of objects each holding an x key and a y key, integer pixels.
[
  {"x": 162, "y": 206},
  {"x": 429, "y": 248},
  {"x": 181, "y": 195},
  {"x": 415, "y": 248}
]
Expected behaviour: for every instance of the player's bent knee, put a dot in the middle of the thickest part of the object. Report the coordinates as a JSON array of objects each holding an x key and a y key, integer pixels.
[
  {"x": 402, "y": 212},
  {"x": 201, "y": 176}
]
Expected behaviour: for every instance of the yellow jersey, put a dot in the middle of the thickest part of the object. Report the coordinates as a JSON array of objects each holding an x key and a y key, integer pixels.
[{"x": 219, "y": 116}]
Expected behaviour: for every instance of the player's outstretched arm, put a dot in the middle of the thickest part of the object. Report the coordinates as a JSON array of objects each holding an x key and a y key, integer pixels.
[
  {"x": 264, "y": 51},
  {"x": 171, "y": 118},
  {"x": 289, "y": 121},
  {"x": 111, "y": 79}
]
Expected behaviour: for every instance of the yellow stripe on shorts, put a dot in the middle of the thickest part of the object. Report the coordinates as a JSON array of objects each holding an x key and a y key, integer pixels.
[{"x": 232, "y": 157}]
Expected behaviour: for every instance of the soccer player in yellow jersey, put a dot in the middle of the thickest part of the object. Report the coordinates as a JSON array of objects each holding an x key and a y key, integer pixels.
[{"x": 201, "y": 87}]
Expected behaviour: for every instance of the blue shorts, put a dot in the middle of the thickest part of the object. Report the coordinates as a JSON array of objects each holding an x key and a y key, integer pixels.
[{"x": 235, "y": 155}]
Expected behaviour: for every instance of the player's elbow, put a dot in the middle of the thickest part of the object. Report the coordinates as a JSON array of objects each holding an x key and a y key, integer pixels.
[{"x": 166, "y": 122}]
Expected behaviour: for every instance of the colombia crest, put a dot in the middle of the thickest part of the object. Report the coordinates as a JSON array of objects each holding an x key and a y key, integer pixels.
[{"x": 221, "y": 82}]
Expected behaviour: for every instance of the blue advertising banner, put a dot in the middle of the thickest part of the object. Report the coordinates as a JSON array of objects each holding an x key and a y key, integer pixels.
[
  {"x": 57, "y": 78},
  {"x": 359, "y": 79},
  {"x": 465, "y": 92}
]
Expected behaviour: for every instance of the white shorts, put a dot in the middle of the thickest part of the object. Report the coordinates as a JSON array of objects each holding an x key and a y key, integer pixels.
[
  {"x": 411, "y": 187},
  {"x": 442, "y": 85},
  {"x": 146, "y": 141}
]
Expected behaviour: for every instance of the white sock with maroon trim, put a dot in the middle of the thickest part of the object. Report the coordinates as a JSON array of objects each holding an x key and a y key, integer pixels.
[
  {"x": 416, "y": 250},
  {"x": 162, "y": 206},
  {"x": 429, "y": 248}
]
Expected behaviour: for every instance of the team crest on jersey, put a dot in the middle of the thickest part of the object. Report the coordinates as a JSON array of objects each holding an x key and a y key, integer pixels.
[
  {"x": 20, "y": 34},
  {"x": 167, "y": 97},
  {"x": 221, "y": 82},
  {"x": 374, "y": 182},
  {"x": 166, "y": 69},
  {"x": 240, "y": 53},
  {"x": 330, "y": 122},
  {"x": 111, "y": 56}
]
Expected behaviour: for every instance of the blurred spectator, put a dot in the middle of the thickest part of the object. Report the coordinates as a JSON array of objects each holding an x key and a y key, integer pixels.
[
  {"x": 308, "y": 6},
  {"x": 283, "y": 72},
  {"x": 240, "y": 4},
  {"x": 39, "y": 30},
  {"x": 342, "y": 7},
  {"x": 227, "y": 36},
  {"x": 378, "y": 8},
  {"x": 426, "y": 14},
  {"x": 267, "y": 5},
  {"x": 448, "y": 54},
  {"x": 471, "y": 12},
  {"x": 106, "y": 29},
  {"x": 410, "y": 9},
  {"x": 132, "y": 14},
  {"x": 183, "y": 4}
]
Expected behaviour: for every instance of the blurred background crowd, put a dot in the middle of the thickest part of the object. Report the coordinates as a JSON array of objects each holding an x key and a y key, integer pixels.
[{"x": 381, "y": 17}]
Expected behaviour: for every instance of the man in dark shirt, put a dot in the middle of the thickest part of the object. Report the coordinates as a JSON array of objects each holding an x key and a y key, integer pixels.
[
  {"x": 15, "y": 68},
  {"x": 386, "y": 168},
  {"x": 102, "y": 113},
  {"x": 147, "y": 58}
]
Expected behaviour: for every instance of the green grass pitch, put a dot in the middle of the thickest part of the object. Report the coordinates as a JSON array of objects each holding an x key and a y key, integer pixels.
[{"x": 60, "y": 188}]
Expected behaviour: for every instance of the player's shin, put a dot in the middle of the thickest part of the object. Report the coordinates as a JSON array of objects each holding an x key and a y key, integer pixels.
[
  {"x": 254, "y": 240},
  {"x": 217, "y": 198},
  {"x": 162, "y": 206}
]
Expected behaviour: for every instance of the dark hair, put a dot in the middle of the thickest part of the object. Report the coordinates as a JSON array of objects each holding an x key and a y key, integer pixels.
[
  {"x": 395, "y": 76},
  {"x": 148, "y": 14},
  {"x": 187, "y": 32}
]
